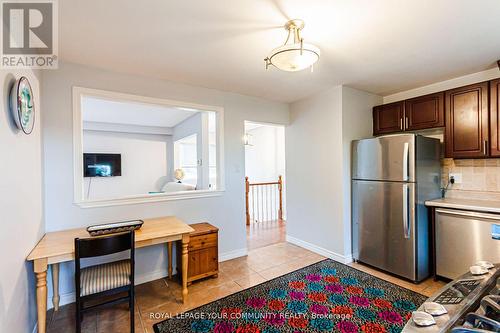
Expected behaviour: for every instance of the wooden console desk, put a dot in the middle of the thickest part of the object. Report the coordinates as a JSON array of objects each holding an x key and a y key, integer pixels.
[{"x": 57, "y": 247}]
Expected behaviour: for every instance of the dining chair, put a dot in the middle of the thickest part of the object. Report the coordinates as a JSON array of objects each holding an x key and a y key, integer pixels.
[{"x": 107, "y": 280}]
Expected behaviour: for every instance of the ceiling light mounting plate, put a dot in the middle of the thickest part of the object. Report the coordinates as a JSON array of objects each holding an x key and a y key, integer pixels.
[{"x": 294, "y": 24}]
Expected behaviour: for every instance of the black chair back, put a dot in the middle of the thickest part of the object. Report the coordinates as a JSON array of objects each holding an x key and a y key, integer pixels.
[
  {"x": 104, "y": 245},
  {"x": 101, "y": 246}
]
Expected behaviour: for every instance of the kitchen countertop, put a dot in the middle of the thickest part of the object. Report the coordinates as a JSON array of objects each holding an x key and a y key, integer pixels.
[{"x": 489, "y": 206}]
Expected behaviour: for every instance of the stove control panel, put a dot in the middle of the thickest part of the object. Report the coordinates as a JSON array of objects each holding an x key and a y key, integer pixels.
[{"x": 457, "y": 292}]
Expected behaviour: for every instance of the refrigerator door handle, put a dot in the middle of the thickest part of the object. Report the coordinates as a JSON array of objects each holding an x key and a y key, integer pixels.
[
  {"x": 406, "y": 149},
  {"x": 406, "y": 210}
]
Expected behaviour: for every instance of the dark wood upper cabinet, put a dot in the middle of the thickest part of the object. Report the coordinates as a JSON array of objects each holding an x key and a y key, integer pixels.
[
  {"x": 466, "y": 112},
  {"x": 388, "y": 118},
  {"x": 470, "y": 116},
  {"x": 424, "y": 112},
  {"x": 495, "y": 118}
]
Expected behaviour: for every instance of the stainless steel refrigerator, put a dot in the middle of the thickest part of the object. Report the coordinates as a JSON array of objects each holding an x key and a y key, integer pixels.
[{"x": 392, "y": 177}]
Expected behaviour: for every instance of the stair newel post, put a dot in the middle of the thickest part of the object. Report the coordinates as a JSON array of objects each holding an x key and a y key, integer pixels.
[
  {"x": 247, "y": 191},
  {"x": 280, "y": 189}
]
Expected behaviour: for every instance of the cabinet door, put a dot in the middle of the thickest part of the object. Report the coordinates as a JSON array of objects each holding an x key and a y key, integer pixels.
[
  {"x": 388, "y": 118},
  {"x": 424, "y": 112},
  {"x": 495, "y": 117},
  {"x": 466, "y": 134},
  {"x": 202, "y": 262}
]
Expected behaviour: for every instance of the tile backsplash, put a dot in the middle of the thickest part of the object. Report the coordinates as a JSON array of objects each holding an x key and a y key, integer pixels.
[{"x": 478, "y": 175}]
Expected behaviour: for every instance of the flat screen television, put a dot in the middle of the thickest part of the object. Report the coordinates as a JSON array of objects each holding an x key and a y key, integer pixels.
[{"x": 102, "y": 165}]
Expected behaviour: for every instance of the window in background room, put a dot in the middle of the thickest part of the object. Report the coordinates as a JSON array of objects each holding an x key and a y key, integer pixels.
[
  {"x": 186, "y": 158},
  {"x": 212, "y": 150}
]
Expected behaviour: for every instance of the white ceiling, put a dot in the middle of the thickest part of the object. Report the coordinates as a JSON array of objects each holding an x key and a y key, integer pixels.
[
  {"x": 131, "y": 113},
  {"x": 381, "y": 46}
]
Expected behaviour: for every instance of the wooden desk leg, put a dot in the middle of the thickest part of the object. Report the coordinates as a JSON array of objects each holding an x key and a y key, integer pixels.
[
  {"x": 185, "y": 243},
  {"x": 55, "y": 286},
  {"x": 169, "y": 249},
  {"x": 40, "y": 268}
]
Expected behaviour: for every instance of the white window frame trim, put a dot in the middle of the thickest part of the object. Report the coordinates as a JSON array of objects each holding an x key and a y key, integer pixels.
[
  {"x": 79, "y": 191},
  {"x": 195, "y": 166}
]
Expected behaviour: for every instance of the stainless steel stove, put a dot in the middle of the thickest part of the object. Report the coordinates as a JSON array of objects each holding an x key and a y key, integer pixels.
[{"x": 472, "y": 302}]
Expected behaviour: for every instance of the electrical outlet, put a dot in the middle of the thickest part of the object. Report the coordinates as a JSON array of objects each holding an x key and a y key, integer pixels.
[{"x": 457, "y": 177}]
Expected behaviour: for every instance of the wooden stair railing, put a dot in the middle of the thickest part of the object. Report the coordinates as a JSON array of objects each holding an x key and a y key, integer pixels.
[{"x": 266, "y": 201}]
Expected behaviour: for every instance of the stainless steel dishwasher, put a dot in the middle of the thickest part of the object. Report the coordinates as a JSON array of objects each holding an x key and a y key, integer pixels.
[{"x": 463, "y": 238}]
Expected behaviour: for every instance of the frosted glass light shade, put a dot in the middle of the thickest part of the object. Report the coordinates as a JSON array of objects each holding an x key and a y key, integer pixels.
[{"x": 290, "y": 58}]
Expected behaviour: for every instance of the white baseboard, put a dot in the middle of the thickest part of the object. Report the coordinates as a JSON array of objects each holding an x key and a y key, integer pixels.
[
  {"x": 148, "y": 276},
  {"x": 233, "y": 254},
  {"x": 319, "y": 250},
  {"x": 348, "y": 259},
  {"x": 63, "y": 300},
  {"x": 154, "y": 275}
]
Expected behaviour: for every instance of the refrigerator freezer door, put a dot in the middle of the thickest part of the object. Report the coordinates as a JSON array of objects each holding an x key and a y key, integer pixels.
[
  {"x": 383, "y": 216},
  {"x": 388, "y": 158}
]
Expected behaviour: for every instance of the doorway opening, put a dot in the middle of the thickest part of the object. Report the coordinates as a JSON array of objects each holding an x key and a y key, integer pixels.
[{"x": 265, "y": 183}]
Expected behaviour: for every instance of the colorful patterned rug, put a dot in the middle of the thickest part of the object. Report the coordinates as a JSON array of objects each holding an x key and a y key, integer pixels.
[{"x": 324, "y": 297}]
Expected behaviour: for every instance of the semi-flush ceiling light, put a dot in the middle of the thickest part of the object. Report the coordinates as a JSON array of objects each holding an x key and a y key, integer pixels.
[{"x": 294, "y": 55}]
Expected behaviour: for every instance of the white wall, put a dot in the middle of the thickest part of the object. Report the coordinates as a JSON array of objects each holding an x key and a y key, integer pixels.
[
  {"x": 318, "y": 167},
  {"x": 314, "y": 168},
  {"x": 226, "y": 212},
  {"x": 264, "y": 159},
  {"x": 143, "y": 163},
  {"x": 21, "y": 210}
]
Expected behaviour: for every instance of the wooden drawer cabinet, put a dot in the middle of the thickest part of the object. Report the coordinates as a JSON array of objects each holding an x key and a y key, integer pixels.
[
  {"x": 467, "y": 128},
  {"x": 202, "y": 263},
  {"x": 203, "y": 252},
  {"x": 495, "y": 118},
  {"x": 202, "y": 242},
  {"x": 388, "y": 118},
  {"x": 424, "y": 112}
]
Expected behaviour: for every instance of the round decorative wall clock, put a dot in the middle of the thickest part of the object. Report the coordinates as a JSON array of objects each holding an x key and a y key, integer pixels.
[{"x": 22, "y": 105}]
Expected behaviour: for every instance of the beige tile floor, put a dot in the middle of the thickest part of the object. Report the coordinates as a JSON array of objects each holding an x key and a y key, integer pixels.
[
  {"x": 162, "y": 297},
  {"x": 262, "y": 234}
]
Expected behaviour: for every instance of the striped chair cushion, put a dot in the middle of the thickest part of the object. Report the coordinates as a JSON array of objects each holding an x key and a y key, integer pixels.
[{"x": 99, "y": 278}]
